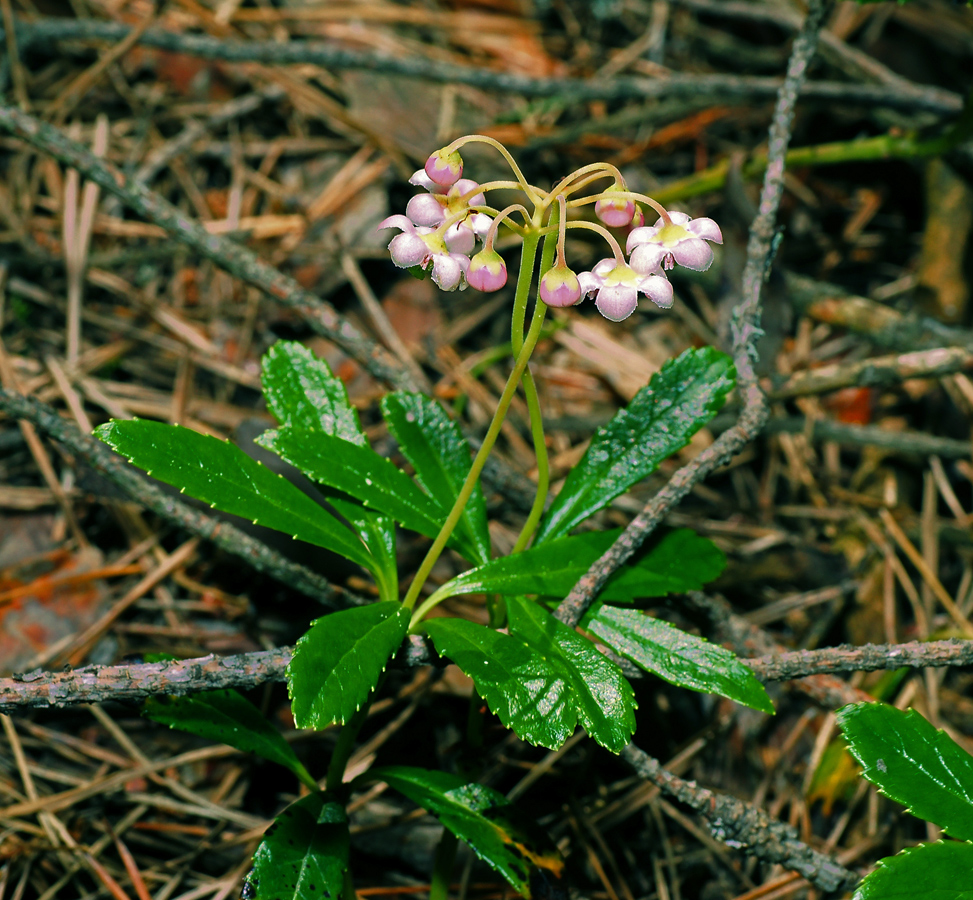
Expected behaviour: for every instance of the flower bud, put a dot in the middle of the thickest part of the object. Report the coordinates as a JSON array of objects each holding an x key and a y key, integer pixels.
[
  {"x": 615, "y": 212},
  {"x": 487, "y": 271},
  {"x": 425, "y": 209},
  {"x": 560, "y": 287},
  {"x": 445, "y": 169}
]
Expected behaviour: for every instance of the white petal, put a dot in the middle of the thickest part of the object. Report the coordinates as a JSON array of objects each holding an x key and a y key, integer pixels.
[
  {"x": 679, "y": 218},
  {"x": 706, "y": 229},
  {"x": 641, "y": 235},
  {"x": 604, "y": 266},
  {"x": 446, "y": 272},
  {"x": 408, "y": 250},
  {"x": 693, "y": 253},
  {"x": 425, "y": 209},
  {"x": 398, "y": 221},
  {"x": 646, "y": 258},
  {"x": 658, "y": 290},
  {"x": 590, "y": 282},
  {"x": 421, "y": 179},
  {"x": 480, "y": 223},
  {"x": 459, "y": 238},
  {"x": 617, "y": 302}
]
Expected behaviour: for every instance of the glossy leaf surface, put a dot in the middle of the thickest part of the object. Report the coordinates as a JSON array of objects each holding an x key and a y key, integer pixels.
[
  {"x": 680, "y": 658},
  {"x": 681, "y": 561},
  {"x": 913, "y": 763},
  {"x": 227, "y": 718},
  {"x": 340, "y": 659},
  {"x": 662, "y": 417},
  {"x": 521, "y": 688},
  {"x": 440, "y": 455},
  {"x": 487, "y": 821},
  {"x": 361, "y": 472},
  {"x": 302, "y": 392},
  {"x": 223, "y": 476},
  {"x": 304, "y": 853},
  {"x": 941, "y": 871},
  {"x": 596, "y": 687}
]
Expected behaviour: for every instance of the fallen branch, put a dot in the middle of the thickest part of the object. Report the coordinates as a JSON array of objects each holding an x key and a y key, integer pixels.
[{"x": 717, "y": 87}]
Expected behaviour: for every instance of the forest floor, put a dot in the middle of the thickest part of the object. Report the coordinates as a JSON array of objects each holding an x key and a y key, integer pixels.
[{"x": 848, "y": 521}]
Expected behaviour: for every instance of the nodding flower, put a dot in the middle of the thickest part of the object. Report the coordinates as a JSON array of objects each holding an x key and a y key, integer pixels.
[
  {"x": 617, "y": 286},
  {"x": 423, "y": 247},
  {"x": 681, "y": 241},
  {"x": 444, "y": 168},
  {"x": 616, "y": 212},
  {"x": 560, "y": 287}
]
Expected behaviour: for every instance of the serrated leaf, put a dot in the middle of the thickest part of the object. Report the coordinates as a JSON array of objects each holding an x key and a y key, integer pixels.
[
  {"x": 941, "y": 871},
  {"x": 601, "y": 694},
  {"x": 680, "y": 658},
  {"x": 913, "y": 763},
  {"x": 681, "y": 561},
  {"x": 521, "y": 688},
  {"x": 440, "y": 455},
  {"x": 361, "y": 472},
  {"x": 304, "y": 853},
  {"x": 378, "y": 534},
  {"x": 662, "y": 417},
  {"x": 302, "y": 392},
  {"x": 487, "y": 821},
  {"x": 227, "y": 718},
  {"x": 223, "y": 476},
  {"x": 339, "y": 660}
]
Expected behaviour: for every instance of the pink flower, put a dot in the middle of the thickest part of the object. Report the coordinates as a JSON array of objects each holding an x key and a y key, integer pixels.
[
  {"x": 615, "y": 212},
  {"x": 616, "y": 287},
  {"x": 682, "y": 242},
  {"x": 422, "y": 247},
  {"x": 560, "y": 287},
  {"x": 444, "y": 168},
  {"x": 432, "y": 209},
  {"x": 487, "y": 271}
]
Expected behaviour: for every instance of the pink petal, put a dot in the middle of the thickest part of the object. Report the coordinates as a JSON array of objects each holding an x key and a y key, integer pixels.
[
  {"x": 398, "y": 221},
  {"x": 480, "y": 223},
  {"x": 706, "y": 229},
  {"x": 446, "y": 271},
  {"x": 561, "y": 287},
  {"x": 693, "y": 253},
  {"x": 680, "y": 218},
  {"x": 658, "y": 290},
  {"x": 459, "y": 238},
  {"x": 604, "y": 266},
  {"x": 590, "y": 282},
  {"x": 642, "y": 235},
  {"x": 617, "y": 302},
  {"x": 465, "y": 186},
  {"x": 408, "y": 250},
  {"x": 421, "y": 179},
  {"x": 646, "y": 258},
  {"x": 425, "y": 209},
  {"x": 615, "y": 213}
]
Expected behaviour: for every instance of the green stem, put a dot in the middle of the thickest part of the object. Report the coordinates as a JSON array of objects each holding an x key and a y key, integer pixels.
[
  {"x": 443, "y": 866},
  {"x": 537, "y": 322},
  {"x": 346, "y": 743},
  {"x": 534, "y": 406}
]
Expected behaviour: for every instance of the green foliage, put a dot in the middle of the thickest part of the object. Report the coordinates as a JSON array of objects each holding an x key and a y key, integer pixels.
[
  {"x": 224, "y": 476},
  {"x": 680, "y": 658},
  {"x": 440, "y": 455},
  {"x": 552, "y": 569},
  {"x": 913, "y": 763},
  {"x": 227, "y": 718},
  {"x": 661, "y": 419},
  {"x": 486, "y": 820},
  {"x": 339, "y": 661},
  {"x": 304, "y": 853},
  {"x": 543, "y": 678}
]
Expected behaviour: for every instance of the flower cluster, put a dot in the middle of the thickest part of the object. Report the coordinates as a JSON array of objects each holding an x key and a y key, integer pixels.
[{"x": 441, "y": 227}]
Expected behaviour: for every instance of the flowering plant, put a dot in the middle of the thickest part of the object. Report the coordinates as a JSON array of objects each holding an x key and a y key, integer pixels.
[{"x": 539, "y": 676}]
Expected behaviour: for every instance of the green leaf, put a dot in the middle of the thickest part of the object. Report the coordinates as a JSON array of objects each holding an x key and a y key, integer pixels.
[
  {"x": 521, "y": 688},
  {"x": 487, "y": 821},
  {"x": 227, "y": 718},
  {"x": 435, "y": 446},
  {"x": 302, "y": 392},
  {"x": 304, "y": 853},
  {"x": 223, "y": 476},
  {"x": 340, "y": 659},
  {"x": 602, "y": 696},
  {"x": 361, "y": 472},
  {"x": 661, "y": 419},
  {"x": 680, "y": 658},
  {"x": 681, "y": 561},
  {"x": 941, "y": 871},
  {"x": 913, "y": 763}
]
